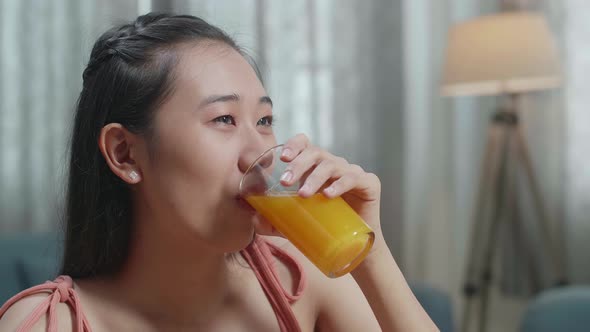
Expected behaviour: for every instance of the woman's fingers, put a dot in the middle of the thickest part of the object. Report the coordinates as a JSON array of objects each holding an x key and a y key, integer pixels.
[
  {"x": 305, "y": 160},
  {"x": 323, "y": 172},
  {"x": 293, "y": 147},
  {"x": 319, "y": 171},
  {"x": 342, "y": 185}
]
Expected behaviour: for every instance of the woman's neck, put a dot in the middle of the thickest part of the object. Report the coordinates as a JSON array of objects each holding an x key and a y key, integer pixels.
[{"x": 170, "y": 281}]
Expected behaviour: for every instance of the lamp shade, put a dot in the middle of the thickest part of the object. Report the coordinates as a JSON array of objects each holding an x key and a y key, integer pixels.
[{"x": 505, "y": 53}]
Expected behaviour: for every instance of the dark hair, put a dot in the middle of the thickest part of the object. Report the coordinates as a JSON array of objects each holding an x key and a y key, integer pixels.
[{"x": 129, "y": 74}]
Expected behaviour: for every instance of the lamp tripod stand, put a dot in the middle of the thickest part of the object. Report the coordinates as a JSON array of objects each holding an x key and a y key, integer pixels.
[{"x": 506, "y": 152}]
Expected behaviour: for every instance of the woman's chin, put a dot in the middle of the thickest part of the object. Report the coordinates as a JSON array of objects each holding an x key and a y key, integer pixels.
[
  {"x": 239, "y": 227},
  {"x": 239, "y": 241}
]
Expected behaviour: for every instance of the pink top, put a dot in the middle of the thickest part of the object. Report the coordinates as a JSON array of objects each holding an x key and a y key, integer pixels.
[{"x": 260, "y": 255}]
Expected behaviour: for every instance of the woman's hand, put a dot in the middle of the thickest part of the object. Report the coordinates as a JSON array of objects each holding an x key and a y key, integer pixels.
[
  {"x": 378, "y": 277},
  {"x": 321, "y": 172}
]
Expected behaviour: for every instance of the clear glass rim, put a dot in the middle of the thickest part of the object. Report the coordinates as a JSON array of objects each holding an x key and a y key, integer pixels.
[{"x": 255, "y": 162}]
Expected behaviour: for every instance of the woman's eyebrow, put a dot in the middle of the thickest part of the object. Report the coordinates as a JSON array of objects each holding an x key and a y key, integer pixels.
[
  {"x": 234, "y": 97},
  {"x": 265, "y": 100},
  {"x": 219, "y": 99}
]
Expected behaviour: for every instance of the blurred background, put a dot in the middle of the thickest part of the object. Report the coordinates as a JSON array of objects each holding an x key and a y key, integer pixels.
[{"x": 364, "y": 79}]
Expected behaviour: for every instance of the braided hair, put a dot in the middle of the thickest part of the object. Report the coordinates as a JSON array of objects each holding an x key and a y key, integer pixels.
[{"x": 129, "y": 74}]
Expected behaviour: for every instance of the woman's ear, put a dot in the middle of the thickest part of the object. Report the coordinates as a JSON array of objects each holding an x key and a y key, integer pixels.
[{"x": 117, "y": 145}]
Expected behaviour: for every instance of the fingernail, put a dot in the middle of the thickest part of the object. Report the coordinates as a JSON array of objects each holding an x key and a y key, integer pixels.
[
  {"x": 286, "y": 153},
  {"x": 329, "y": 190},
  {"x": 287, "y": 176},
  {"x": 304, "y": 189}
]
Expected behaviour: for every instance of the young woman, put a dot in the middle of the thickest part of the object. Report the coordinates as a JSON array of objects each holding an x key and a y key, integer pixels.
[{"x": 170, "y": 116}]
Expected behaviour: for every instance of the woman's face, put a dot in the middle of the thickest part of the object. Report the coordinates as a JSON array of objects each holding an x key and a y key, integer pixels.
[{"x": 216, "y": 122}]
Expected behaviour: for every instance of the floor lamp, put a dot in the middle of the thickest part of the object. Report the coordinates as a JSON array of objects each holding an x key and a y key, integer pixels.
[{"x": 507, "y": 55}]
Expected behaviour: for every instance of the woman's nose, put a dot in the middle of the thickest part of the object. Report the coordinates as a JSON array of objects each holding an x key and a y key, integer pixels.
[
  {"x": 252, "y": 154},
  {"x": 257, "y": 166}
]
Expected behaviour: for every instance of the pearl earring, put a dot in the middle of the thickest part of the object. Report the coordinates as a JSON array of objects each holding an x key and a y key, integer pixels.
[{"x": 134, "y": 176}]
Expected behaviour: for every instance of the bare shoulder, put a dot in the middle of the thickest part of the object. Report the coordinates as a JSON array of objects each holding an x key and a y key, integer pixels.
[
  {"x": 341, "y": 304},
  {"x": 22, "y": 309}
]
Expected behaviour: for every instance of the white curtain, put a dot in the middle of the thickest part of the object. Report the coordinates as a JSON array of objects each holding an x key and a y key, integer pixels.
[
  {"x": 333, "y": 69},
  {"x": 577, "y": 137},
  {"x": 43, "y": 48}
]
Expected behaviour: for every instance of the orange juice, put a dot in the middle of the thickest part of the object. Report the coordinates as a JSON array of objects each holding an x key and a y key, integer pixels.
[{"x": 327, "y": 231}]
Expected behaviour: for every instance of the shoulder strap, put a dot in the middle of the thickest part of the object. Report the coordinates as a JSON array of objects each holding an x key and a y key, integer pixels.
[
  {"x": 61, "y": 291},
  {"x": 259, "y": 254}
]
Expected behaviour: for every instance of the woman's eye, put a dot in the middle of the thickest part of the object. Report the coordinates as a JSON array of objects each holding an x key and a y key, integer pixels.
[
  {"x": 226, "y": 119},
  {"x": 266, "y": 121}
]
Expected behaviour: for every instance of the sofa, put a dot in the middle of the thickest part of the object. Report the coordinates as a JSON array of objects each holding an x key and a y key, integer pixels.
[
  {"x": 27, "y": 259},
  {"x": 558, "y": 309}
]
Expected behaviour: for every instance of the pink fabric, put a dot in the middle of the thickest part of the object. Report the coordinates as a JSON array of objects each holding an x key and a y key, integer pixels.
[
  {"x": 260, "y": 255},
  {"x": 61, "y": 291}
]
